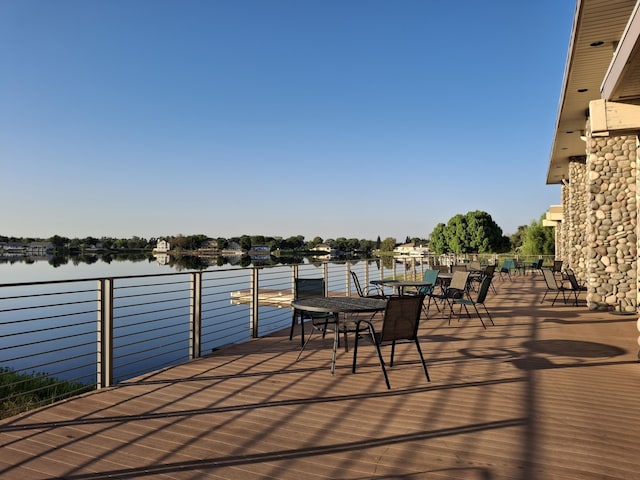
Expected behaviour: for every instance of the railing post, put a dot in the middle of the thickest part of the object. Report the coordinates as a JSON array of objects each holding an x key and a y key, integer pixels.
[
  {"x": 105, "y": 334},
  {"x": 325, "y": 275},
  {"x": 366, "y": 272},
  {"x": 253, "y": 307},
  {"x": 347, "y": 274},
  {"x": 195, "y": 322}
]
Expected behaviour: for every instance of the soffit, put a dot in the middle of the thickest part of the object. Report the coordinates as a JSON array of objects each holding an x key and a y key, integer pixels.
[{"x": 597, "y": 29}]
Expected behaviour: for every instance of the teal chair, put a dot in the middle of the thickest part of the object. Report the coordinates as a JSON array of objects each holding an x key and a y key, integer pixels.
[
  {"x": 430, "y": 277},
  {"x": 507, "y": 266}
]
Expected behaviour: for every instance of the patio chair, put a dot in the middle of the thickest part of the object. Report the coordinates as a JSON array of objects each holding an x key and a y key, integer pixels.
[
  {"x": 557, "y": 266},
  {"x": 366, "y": 292},
  {"x": 482, "y": 295},
  {"x": 488, "y": 271},
  {"x": 429, "y": 276},
  {"x": 506, "y": 268},
  {"x": 305, "y": 288},
  {"x": 553, "y": 286},
  {"x": 443, "y": 268},
  {"x": 456, "y": 289},
  {"x": 537, "y": 265},
  {"x": 399, "y": 325},
  {"x": 474, "y": 266},
  {"x": 576, "y": 288}
]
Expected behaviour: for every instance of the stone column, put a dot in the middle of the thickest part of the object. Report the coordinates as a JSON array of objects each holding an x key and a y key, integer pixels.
[
  {"x": 576, "y": 216},
  {"x": 611, "y": 210}
]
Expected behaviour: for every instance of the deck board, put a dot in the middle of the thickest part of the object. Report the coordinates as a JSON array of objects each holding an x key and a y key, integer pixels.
[{"x": 547, "y": 393}]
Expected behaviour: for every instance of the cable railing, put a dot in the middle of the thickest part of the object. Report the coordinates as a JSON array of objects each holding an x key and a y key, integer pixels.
[{"x": 61, "y": 338}]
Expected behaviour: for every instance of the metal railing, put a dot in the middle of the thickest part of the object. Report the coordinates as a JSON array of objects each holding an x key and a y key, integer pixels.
[{"x": 60, "y": 338}]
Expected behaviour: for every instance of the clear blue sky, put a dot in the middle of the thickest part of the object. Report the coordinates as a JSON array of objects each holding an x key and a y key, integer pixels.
[{"x": 330, "y": 118}]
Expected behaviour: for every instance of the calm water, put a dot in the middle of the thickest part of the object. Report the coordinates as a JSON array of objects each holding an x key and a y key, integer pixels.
[
  {"x": 15, "y": 271},
  {"x": 63, "y": 342}
]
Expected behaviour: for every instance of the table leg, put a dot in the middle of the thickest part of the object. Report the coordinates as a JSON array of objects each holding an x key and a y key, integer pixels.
[{"x": 336, "y": 338}]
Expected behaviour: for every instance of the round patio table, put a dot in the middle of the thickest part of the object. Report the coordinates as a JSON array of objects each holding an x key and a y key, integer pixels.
[{"x": 336, "y": 306}]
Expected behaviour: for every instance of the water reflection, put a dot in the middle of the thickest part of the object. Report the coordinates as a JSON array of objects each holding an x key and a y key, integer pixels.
[{"x": 175, "y": 261}]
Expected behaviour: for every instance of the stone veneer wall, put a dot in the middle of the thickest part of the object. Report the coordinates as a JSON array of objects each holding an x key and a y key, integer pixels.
[
  {"x": 611, "y": 208},
  {"x": 561, "y": 235},
  {"x": 575, "y": 208}
]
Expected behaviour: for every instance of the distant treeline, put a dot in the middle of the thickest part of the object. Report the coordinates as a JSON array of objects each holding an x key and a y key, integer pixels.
[{"x": 195, "y": 242}]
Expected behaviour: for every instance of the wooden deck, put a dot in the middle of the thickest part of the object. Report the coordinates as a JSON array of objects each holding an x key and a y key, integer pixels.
[{"x": 547, "y": 393}]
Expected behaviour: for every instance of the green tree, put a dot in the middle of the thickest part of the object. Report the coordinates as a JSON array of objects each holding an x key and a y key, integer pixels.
[
  {"x": 470, "y": 233},
  {"x": 222, "y": 243},
  {"x": 315, "y": 242},
  {"x": 388, "y": 244},
  {"x": 438, "y": 241},
  {"x": 245, "y": 242},
  {"x": 538, "y": 240},
  {"x": 517, "y": 238}
]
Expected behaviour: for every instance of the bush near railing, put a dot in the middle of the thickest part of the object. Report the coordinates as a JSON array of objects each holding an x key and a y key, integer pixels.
[{"x": 20, "y": 392}]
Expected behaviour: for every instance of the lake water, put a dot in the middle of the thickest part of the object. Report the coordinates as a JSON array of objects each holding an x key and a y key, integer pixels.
[{"x": 60, "y": 340}]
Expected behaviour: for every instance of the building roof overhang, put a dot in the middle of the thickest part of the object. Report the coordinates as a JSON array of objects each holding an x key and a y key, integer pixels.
[{"x": 602, "y": 62}]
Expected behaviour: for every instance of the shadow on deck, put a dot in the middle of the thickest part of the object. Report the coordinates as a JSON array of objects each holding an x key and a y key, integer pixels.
[{"x": 547, "y": 393}]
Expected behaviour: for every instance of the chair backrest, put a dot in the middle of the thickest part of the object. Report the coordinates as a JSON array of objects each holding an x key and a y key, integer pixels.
[
  {"x": 539, "y": 263},
  {"x": 458, "y": 268},
  {"x": 573, "y": 280},
  {"x": 401, "y": 317},
  {"x": 557, "y": 266},
  {"x": 475, "y": 265},
  {"x": 309, "y": 287},
  {"x": 357, "y": 284},
  {"x": 489, "y": 270},
  {"x": 508, "y": 265},
  {"x": 429, "y": 276},
  {"x": 443, "y": 268},
  {"x": 484, "y": 289},
  {"x": 459, "y": 280},
  {"x": 550, "y": 279}
]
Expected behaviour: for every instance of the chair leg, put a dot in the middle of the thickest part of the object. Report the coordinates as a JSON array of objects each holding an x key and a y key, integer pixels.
[
  {"x": 381, "y": 360},
  {"x": 393, "y": 352},
  {"x": 488, "y": 314},
  {"x": 479, "y": 317},
  {"x": 375, "y": 343},
  {"x": 294, "y": 321},
  {"x": 424, "y": 365}
]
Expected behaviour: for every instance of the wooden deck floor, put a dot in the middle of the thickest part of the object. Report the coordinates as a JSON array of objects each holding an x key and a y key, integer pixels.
[{"x": 547, "y": 393}]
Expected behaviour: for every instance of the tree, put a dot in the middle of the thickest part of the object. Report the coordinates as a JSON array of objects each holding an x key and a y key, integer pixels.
[
  {"x": 517, "y": 238},
  {"x": 222, "y": 243},
  {"x": 538, "y": 240},
  {"x": 473, "y": 232},
  {"x": 388, "y": 244},
  {"x": 438, "y": 241},
  {"x": 245, "y": 242},
  {"x": 315, "y": 242}
]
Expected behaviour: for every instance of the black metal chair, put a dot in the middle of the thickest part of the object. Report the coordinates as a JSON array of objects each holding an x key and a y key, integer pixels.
[
  {"x": 305, "y": 288},
  {"x": 456, "y": 289},
  {"x": 537, "y": 265},
  {"x": 399, "y": 325},
  {"x": 553, "y": 286},
  {"x": 482, "y": 295},
  {"x": 366, "y": 292},
  {"x": 575, "y": 288},
  {"x": 557, "y": 266}
]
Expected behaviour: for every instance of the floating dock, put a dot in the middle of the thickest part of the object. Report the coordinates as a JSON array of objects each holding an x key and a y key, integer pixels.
[{"x": 266, "y": 298}]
